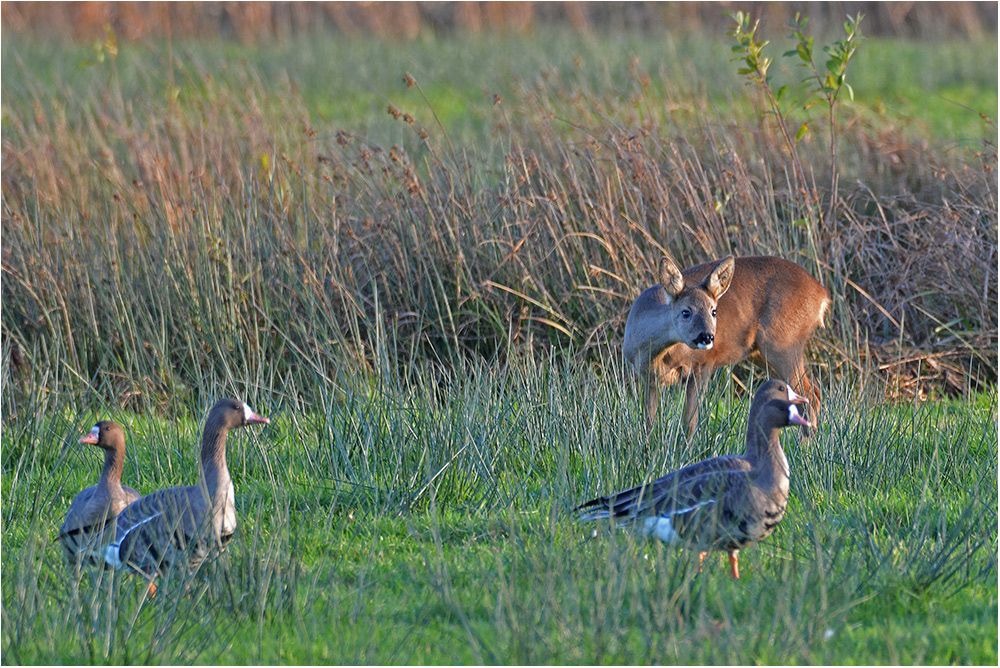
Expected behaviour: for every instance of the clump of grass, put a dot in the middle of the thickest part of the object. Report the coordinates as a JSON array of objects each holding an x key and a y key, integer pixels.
[
  {"x": 427, "y": 521},
  {"x": 216, "y": 235}
]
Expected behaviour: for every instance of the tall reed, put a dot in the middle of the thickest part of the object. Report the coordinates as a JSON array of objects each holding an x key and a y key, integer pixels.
[{"x": 162, "y": 248}]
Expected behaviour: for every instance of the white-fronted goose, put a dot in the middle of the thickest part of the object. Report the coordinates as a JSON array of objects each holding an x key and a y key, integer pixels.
[
  {"x": 181, "y": 526},
  {"x": 724, "y": 503},
  {"x": 90, "y": 521}
]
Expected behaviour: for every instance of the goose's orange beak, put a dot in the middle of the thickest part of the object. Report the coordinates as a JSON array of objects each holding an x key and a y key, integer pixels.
[
  {"x": 253, "y": 418},
  {"x": 91, "y": 436},
  {"x": 794, "y": 417}
]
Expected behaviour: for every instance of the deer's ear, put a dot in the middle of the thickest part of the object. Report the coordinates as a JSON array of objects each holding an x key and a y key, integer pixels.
[
  {"x": 721, "y": 277},
  {"x": 670, "y": 277}
]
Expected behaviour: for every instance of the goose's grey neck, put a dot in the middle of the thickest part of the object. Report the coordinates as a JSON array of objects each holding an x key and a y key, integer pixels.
[
  {"x": 114, "y": 462},
  {"x": 765, "y": 453},
  {"x": 215, "y": 473}
]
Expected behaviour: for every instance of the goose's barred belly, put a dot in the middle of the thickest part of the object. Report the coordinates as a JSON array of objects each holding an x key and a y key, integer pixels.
[{"x": 749, "y": 528}]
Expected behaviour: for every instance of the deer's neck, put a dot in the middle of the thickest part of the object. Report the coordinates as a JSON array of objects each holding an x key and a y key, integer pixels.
[{"x": 650, "y": 328}]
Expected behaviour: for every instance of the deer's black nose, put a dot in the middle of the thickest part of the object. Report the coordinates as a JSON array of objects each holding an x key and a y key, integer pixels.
[{"x": 704, "y": 340}]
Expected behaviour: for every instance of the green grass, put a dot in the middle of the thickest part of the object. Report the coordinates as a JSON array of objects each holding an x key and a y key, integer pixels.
[
  {"x": 350, "y": 81},
  {"x": 431, "y": 524}
]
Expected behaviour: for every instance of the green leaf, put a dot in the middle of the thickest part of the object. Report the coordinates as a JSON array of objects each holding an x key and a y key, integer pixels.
[
  {"x": 850, "y": 91},
  {"x": 781, "y": 93},
  {"x": 802, "y": 132}
]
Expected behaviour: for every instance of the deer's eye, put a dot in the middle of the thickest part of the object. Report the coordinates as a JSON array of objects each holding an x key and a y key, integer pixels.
[
  {"x": 713, "y": 313},
  {"x": 686, "y": 313}
]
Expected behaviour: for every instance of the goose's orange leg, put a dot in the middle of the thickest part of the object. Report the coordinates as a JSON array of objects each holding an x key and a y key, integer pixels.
[{"x": 734, "y": 564}]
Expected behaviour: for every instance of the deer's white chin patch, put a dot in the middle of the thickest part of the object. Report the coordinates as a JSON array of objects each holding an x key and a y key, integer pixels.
[{"x": 703, "y": 346}]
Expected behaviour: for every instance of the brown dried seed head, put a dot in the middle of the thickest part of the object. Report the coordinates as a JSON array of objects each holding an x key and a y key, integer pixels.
[{"x": 409, "y": 80}]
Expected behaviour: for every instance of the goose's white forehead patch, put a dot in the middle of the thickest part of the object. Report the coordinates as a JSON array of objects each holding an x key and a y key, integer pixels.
[
  {"x": 247, "y": 412},
  {"x": 793, "y": 412},
  {"x": 95, "y": 430},
  {"x": 793, "y": 395}
]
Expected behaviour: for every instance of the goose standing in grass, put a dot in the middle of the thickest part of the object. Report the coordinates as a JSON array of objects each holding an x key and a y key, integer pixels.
[
  {"x": 724, "y": 503},
  {"x": 180, "y": 527},
  {"x": 90, "y": 521}
]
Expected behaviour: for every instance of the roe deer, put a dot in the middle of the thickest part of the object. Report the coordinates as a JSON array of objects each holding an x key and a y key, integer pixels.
[{"x": 765, "y": 310}]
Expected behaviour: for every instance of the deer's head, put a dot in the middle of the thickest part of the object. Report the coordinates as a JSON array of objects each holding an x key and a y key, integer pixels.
[{"x": 690, "y": 309}]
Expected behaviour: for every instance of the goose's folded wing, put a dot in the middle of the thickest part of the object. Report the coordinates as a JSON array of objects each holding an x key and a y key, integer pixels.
[
  {"x": 152, "y": 530},
  {"x": 709, "y": 509},
  {"x": 88, "y": 514},
  {"x": 674, "y": 490}
]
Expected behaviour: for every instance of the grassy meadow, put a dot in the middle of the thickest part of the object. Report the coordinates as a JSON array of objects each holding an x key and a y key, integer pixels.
[{"x": 416, "y": 259}]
